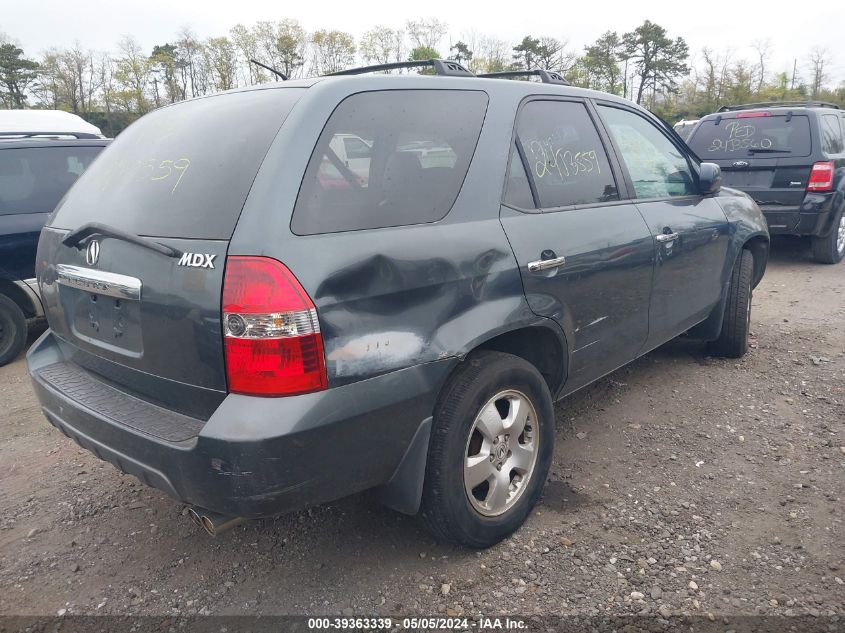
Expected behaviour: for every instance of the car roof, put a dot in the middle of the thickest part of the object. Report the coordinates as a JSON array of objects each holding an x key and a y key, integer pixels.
[
  {"x": 12, "y": 143},
  {"x": 45, "y": 122},
  {"x": 413, "y": 81}
]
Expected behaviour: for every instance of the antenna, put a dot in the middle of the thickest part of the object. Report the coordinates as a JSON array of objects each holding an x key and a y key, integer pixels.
[{"x": 278, "y": 74}]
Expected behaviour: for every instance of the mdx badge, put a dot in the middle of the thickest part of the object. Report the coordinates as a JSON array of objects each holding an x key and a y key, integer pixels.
[
  {"x": 197, "y": 260},
  {"x": 92, "y": 252}
]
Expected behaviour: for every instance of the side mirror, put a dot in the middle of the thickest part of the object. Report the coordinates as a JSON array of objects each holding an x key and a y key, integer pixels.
[{"x": 709, "y": 178}]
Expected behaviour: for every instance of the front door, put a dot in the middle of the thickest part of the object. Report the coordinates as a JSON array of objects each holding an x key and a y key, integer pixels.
[
  {"x": 585, "y": 255},
  {"x": 691, "y": 232}
]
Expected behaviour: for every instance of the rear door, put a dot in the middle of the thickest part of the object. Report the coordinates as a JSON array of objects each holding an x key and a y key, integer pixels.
[
  {"x": 769, "y": 156},
  {"x": 691, "y": 232},
  {"x": 145, "y": 313},
  {"x": 585, "y": 254}
]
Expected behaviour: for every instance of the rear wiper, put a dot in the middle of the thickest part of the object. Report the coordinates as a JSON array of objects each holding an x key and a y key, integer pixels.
[
  {"x": 77, "y": 236},
  {"x": 768, "y": 150}
]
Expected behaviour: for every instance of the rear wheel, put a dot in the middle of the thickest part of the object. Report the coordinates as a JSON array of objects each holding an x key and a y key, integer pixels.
[
  {"x": 12, "y": 330},
  {"x": 491, "y": 448},
  {"x": 831, "y": 249},
  {"x": 736, "y": 324}
]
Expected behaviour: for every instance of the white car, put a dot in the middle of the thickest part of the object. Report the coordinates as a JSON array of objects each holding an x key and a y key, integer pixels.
[{"x": 45, "y": 123}]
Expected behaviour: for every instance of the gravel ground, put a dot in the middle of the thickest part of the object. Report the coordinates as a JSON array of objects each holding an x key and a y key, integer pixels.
[{"x": 681, "y": 484}]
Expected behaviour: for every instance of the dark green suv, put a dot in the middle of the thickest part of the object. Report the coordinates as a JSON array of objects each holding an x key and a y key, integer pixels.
[{"x": 249, "y": 321}]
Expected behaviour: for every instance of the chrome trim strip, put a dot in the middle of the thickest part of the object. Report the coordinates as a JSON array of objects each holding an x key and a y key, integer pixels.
[
  {"x": 30, "y": 288},
  {"x": 99, "y": 282}
]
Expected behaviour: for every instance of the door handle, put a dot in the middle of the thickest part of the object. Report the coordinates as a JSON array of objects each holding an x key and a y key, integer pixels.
[
  {"x": 667, "y": 237},
  {"x": 546, "y": 264}
]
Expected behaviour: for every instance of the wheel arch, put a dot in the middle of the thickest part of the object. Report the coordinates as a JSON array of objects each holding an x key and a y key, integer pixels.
[
  {"x": 759, "y": 247},
  {"x": 540, "y": 345},
  {"x": 18, "y": 295},
  {"x": 543, "y": 344}
]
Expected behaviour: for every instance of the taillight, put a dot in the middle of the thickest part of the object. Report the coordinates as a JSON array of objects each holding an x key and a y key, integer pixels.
[
  {"x": 821, "y": 178},
  {"x": 271, "y": 332}
]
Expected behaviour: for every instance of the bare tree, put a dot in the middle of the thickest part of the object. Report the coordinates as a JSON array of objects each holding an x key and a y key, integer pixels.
[
  {"x": 763, "y": 49},
  {"x": 132, "y": 72},
  {"x": 332, "y": 51},
  {"x": 383, "y": 45},
  {"x": 818, "y": 63},
  {"x": 426, "y": 32}
]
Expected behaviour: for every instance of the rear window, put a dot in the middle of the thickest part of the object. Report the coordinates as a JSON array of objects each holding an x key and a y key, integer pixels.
[
  {"x": 761, "y": 135},
  {"x": 33, "y": 180},
  {"x": 184, "y": 170},
  {"x": 389, "y": 158}
]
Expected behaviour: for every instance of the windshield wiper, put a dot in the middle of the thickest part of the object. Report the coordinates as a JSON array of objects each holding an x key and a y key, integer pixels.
[
  {"x": 77, "y": 236},
  {"x": 768, "y": 150}
]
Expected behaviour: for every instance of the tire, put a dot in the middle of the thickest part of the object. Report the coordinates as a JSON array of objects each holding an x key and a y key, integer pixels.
[
  {"x": 496, "y": 508},
  {"x": 736, "y": 324},
  {"x": 13, "y": 330},
  {"x": 831, "y": 249}
]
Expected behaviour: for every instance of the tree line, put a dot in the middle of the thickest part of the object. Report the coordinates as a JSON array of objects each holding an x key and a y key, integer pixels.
[{"x": 646, "y": 65}]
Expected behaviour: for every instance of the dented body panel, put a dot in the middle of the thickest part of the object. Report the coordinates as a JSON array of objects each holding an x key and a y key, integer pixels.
[{"x": 399, "y": 308}]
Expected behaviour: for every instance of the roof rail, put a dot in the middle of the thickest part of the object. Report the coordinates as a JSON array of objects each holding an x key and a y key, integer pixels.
[
  {"x": 779, "y": 104},
  {"x": 546, "y": 76},
  {"x": 441, "y": 67},
  {"x": 21, "y": 135}
]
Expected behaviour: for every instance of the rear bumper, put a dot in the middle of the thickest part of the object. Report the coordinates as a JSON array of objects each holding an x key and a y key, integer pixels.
[
  {"x": 255, "y": 456},
  {"x": 814, "y": 216}
]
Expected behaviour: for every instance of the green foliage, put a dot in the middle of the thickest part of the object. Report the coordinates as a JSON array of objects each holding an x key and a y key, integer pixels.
[
  {"x": 600, "y": 64},
  {"x": 461, "y": 53},
  {"x": 657, "y": 60},
  {"x": 421, "y": 53},
  {"x": 16, "y": 73}
]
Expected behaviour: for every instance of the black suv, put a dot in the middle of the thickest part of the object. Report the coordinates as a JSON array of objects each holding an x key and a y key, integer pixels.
[
  {"x": 789, "y": 157},
  {"x": 250, "y": 323},
  {"x": 35, "y": 172}
]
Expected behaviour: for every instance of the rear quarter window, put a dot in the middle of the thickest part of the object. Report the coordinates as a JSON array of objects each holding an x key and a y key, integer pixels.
[
  {"x": 389, "y": 158},
  {"x": 184, "y": 170},
  {"x": 831, "y": 132},
  {"x": 33, "y": 180},
  {"x": 730, "y": 138}
]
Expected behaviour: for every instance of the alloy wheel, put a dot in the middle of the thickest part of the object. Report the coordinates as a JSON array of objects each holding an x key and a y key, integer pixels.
[{"x": 501, "y": 452}]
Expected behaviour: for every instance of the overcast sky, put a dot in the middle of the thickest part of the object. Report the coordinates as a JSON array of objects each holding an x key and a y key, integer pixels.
[{"x": 98, "y": 24}]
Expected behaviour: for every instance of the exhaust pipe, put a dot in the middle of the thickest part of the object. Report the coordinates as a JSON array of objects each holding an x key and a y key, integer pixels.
[
  {"x": 195, "y": 517},
  {"x": 212, "y": 522}
]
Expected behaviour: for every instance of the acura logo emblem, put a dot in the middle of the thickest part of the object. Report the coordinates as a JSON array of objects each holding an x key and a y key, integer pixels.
[{"x": 92, "y": 252}]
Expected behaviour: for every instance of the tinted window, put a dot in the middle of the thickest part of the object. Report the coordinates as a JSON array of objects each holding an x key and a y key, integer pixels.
[
  {"x": 183, "y": 170},
  {"x": 565, "y": 154},
  {"x": 33, "y": 180},
  {"x": 832, "y": 141},
  {"x": 733, "y": 138},
  {"x": 657, "y": 168},
  {"x": 418, "y": 146},
  {"x": 517, "y": 189}
]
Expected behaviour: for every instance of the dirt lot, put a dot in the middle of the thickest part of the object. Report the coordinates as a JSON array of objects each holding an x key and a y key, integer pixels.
[{"x": 681, "y": 484}]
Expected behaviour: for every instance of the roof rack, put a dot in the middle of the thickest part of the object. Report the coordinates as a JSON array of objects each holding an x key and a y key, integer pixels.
[
  {"x": 48, "y": 135},
  {"x": 546, "y": 76},
  {"x": 441, "y": 67},
  {"x": 779, "y": 104}
]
